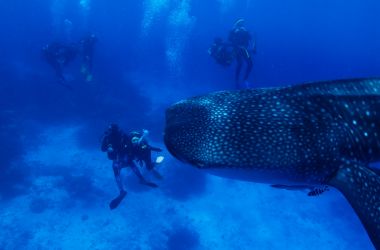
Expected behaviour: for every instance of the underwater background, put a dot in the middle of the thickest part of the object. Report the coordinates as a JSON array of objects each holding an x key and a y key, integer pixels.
[{"x": 56, "y": 184}]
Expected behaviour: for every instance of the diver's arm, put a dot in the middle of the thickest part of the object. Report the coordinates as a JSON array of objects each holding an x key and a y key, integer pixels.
[
  {"x": 155, "y": 149},
  {"x": 145, "y": 133}
]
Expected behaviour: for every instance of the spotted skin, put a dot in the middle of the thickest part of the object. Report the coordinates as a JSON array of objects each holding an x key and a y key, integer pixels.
[
  {"x": 312, "y": 134},
  {"x": 364, "y": 197}
]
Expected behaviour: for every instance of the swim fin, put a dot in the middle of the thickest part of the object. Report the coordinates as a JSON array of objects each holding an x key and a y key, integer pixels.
[
  {"x": 115, "y": 202},
  {"x": 150, "y": 184}
]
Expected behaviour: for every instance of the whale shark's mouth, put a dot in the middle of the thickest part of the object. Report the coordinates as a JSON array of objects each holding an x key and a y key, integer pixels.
[{"x": 185, "y": 127}]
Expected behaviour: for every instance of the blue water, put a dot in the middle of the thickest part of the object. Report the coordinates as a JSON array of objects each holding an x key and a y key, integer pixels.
[{"x": 55, "y": 184}]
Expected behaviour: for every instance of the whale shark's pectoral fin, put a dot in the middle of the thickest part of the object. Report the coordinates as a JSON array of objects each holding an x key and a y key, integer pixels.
[
  {"x": 312, "y": 191},
  {"x": 292, "y": 187},
  {"x": 361, "y": 187},
  {"x": 318, "y": 191}
]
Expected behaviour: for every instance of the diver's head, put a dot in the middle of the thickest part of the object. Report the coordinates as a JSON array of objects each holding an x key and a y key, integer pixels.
[
  {"x": 112, "y": 128},
  {"x": 135, "y": 140},
  {"x": 239, "y": 23}
]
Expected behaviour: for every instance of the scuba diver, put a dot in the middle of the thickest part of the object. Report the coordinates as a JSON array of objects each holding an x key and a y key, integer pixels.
[
  {"x": 124, "y": 150},
  {"x": 58, "y": 56},
  {"x": 241, "y": 39},
  {"x": 222, "y": 52},
  {"x": 87, "y": 45}
]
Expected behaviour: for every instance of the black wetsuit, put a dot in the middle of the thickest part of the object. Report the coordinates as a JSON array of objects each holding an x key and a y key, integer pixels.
[
  {"x": 240, "y": 39},
  {"x": 142, "y": 152},
  {"x": 124, "y": 152},
  {"x": 222, "y": 53},
  {"x": 59, "y": 55}
]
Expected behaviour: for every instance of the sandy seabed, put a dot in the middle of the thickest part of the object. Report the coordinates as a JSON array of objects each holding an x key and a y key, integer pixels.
[{"x": 66, "y": 207}]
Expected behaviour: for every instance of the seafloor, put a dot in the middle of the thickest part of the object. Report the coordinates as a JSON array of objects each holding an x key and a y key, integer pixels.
[{"x": 65, "y": 206}]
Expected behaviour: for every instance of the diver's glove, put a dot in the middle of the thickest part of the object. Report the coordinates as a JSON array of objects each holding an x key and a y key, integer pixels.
[
  {"x": 142, "y": 138},
  {"x": 145, "y": 132}
]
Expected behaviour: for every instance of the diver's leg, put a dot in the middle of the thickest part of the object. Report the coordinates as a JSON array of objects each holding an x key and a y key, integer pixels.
[
  {"x": 142, "y": 179},
  {"x": 151, "y": 164},
  {"x": 90, "y": 63},
  {"x": 61, "y": 78},
  {"x": 136, "y": 171},
  {"x": 248, "y": 60},
  {"x": 116, "y": 171},
  {"x": 147, "y": 158},
  {"x": 239, "y": 64},
  {"x": 59, "y": 73},
  {"x": 58, "y": 67}
]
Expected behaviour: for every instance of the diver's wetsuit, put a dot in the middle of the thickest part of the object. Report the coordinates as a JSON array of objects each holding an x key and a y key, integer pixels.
[
  {"x": 222, "y": 52},
  {"x": 143, "y": 153},
  {"x": 123, "y": 153},
  {"x": 240, "y": 39},
  {"x": 59, "y": 55}
]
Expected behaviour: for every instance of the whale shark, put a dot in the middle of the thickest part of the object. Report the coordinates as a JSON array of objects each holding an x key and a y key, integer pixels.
[{"x": 313, "y": 135}]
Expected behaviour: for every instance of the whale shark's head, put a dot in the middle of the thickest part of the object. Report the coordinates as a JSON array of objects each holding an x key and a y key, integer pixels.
[
  {"x": 220, "y": 132},
  {"x": 187, "y": 130},
  {"x": 210, "y": 131}
]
